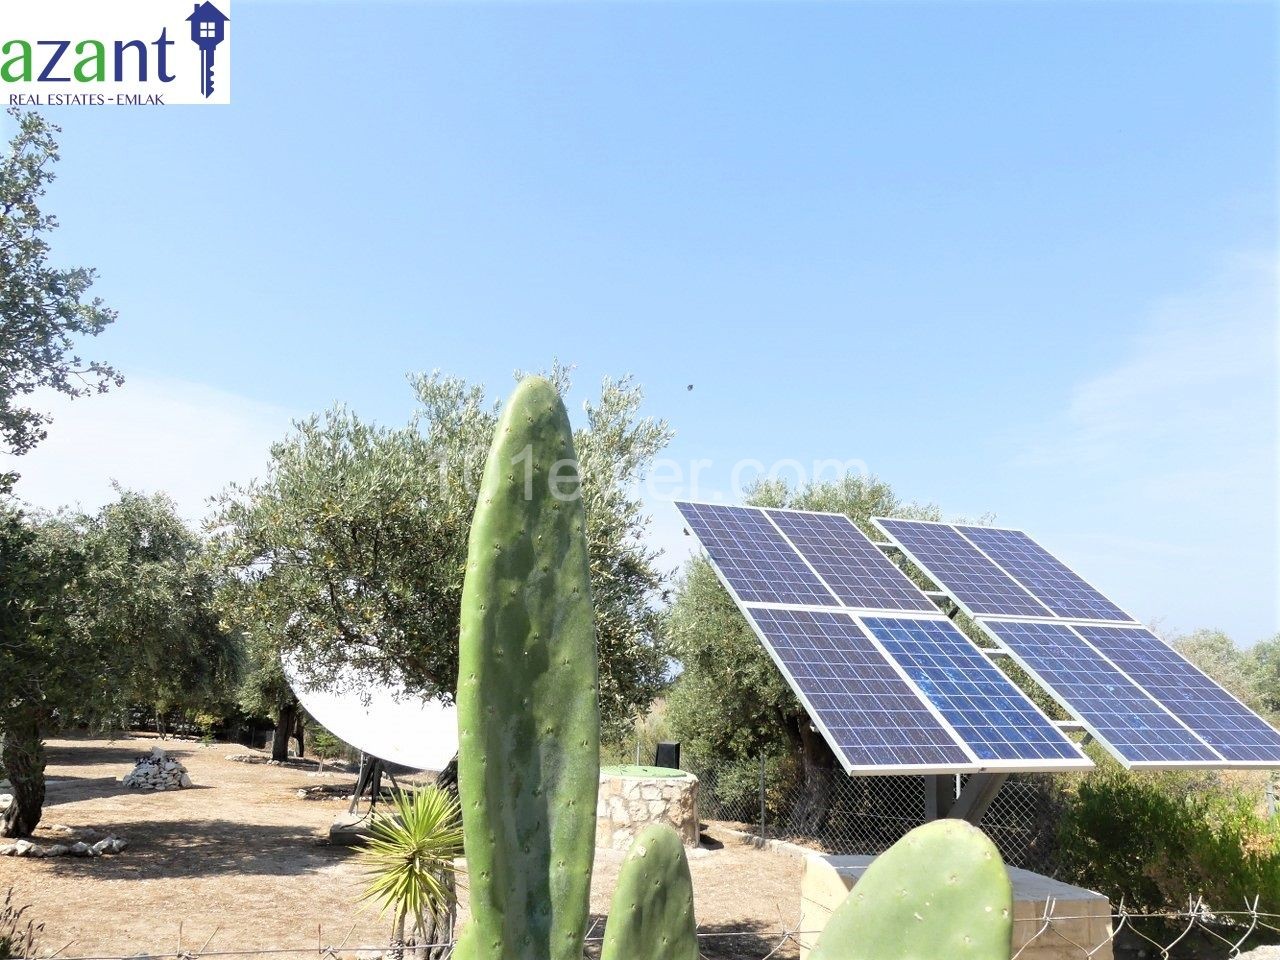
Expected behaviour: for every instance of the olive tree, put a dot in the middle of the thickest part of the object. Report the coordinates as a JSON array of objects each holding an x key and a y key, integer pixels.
[
  {"x": 44, "y": 309},
  {"x": 352, "y": 549},
  {"x": 98, "y": 612}
]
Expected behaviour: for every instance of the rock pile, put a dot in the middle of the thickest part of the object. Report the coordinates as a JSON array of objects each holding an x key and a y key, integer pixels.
[
  {"x": 89, "y": 846},
  {"x": 157, "y": 771}
]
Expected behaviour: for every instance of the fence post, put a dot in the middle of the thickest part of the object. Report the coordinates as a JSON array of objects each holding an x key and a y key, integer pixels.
[{"x": 762, "y": 798}]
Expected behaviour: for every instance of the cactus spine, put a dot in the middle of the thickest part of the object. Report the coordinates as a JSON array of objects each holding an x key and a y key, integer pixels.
[
  {"x": 940, "y": 891},
  {"x": 652, "y": 913},
  {"x": 528, "y": 721}
]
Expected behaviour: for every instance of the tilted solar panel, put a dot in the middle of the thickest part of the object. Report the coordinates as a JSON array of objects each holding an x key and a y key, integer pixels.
[
  {"x": 872, "y": 717},
  {"x": 849, "y": 562},
  {"x": 1125, "y": 718},
  {"x": 960, "y": 568},
  {"x": 992, "y": 716},
  {"x": 1219, "y": 718},
  {"x": 878, "y": 716},
  {"x": 753, "y": 556},
  {"x": 1043, "y": 575}
]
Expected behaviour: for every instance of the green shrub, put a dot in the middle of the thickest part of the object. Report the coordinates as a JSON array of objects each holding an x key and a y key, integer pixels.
[
  {"x": 17, "y": 938},
  {"x": 1160, "y": 839}
]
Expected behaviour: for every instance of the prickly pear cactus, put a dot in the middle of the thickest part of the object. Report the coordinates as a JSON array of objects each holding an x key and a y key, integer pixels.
[
  {"x": 528, "y": 722},
  {"x": 652, "y": 913},
  {"x": 940, "y": 891}
]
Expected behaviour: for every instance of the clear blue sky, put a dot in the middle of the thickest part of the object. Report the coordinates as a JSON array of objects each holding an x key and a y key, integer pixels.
[{"x": 1017, "y": 258}]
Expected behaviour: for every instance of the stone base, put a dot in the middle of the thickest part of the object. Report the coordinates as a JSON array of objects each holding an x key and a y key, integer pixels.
[
  {"x": 631, "y": 799},
  {"x": 828, "y": 880},
  {"x": 350, "y": 830}
]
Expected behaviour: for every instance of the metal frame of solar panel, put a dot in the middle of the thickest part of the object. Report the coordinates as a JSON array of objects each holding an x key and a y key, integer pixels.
[
  {"x": 871, "y": 705},
  {"x": 1142, "y": 718}
]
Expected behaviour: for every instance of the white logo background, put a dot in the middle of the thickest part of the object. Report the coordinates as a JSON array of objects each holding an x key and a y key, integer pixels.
[{"x": 112, "y": 21}]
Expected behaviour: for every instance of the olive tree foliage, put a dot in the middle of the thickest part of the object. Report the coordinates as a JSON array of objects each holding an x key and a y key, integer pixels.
[
  {"x": 1251, "y": 673},
  {"x": 44, "y": 309},
  {"x": 52, "y": 668},
  {"x": 1217, "y": 655},
  {"x": 148, "y": 588},
  {"x": 98, "y": 612},
  {"x": 352, "y": 550},
  {"x": 730, "y": 704},
  {"x": 1263, "y": 672}
]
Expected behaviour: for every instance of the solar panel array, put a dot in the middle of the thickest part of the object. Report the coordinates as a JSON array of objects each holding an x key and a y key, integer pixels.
[
  {"x": 992, "y": 716},
  {"x": 1218, "y": 718},
  {"x": 872, "y": 715},
  {"x": 949, "y": 558},
  {"x": 892, "y": 683},
  {"x": 1147, "y": 704},
  {"x": 1047, "y": 578},
  {"x": 1120, "y": 714},
  {"x": 857, "y": 571}
]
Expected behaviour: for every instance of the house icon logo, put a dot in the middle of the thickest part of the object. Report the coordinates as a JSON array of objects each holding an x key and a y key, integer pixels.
[{"x": 208, "y": 27}]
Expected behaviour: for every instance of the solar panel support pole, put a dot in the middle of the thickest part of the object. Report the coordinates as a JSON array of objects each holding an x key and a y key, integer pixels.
[
  {"x": 939, "y": 796},
  {"x": 976, "y": 796}
]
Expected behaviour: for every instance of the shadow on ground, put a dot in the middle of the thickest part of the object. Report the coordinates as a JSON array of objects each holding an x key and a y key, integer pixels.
[
  {"x": 736, "y": 941},
  {"x": 202, "y": 848},
  {"x": 74, "y": 755}
]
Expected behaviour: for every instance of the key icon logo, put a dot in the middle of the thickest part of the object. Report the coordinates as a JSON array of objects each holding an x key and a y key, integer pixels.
[{"x": 208, "y": 25}]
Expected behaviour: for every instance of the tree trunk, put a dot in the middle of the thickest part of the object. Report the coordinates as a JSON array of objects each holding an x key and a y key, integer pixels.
[
  {"x": 297, "y": 734},
  {"x": 22, "y": 753},
  {"x": 397, "y": 937},
  {"x": 284, "y": 729},
  {"x": 815, "y": 804}
]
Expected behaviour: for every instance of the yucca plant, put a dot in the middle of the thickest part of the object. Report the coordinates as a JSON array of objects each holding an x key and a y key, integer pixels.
[{"x": 409, "y": 863}]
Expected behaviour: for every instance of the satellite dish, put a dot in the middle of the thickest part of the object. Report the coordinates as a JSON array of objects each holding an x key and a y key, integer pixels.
[{"x": 382, "y": 719}]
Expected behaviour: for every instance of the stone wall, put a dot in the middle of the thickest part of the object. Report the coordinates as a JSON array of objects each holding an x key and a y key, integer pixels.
[{"x": 629, "y": 803}]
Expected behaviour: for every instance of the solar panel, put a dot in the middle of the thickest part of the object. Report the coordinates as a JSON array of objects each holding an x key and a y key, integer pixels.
[
  {"x": 1116, "y": 711},
  {"x": 960, "y": 567},
  {"x": 849, "y": 562},
  {"x": 934, "y": 704},
  {"x": 755, "y": 559},
  {"x": 1046, "y": 577},
  {"x": 1219, "y": 718},
  {"x": 872, "y": 717},
  {"x": 992, "y": 716}
]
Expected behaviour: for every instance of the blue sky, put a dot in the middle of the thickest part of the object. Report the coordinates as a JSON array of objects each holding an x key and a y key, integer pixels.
[{"x": 1015, "y": 258}]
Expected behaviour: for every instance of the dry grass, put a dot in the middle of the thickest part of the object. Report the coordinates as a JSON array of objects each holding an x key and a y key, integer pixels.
[{"x": 242, "y": 855}]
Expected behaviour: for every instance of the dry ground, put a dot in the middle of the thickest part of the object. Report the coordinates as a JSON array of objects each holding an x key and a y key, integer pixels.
[{"x": 242, "y": 859}]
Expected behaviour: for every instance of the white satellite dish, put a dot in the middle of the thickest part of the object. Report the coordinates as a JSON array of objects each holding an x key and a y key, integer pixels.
[{"x": 382, "y": 719}]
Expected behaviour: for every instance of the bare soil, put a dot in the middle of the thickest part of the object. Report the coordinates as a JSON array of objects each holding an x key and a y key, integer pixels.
[{"x": 240, "y": 862}]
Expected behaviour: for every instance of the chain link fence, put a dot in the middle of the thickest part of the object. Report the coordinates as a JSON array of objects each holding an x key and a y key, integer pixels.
[
  {"x": 840, "y": 814},
  {"x": 1197, "y": 933}
]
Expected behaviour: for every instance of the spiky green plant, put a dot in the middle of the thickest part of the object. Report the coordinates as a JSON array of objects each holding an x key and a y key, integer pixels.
[
  {"x": 409, "y": 862},
  {"x": 17, "y": 939}
]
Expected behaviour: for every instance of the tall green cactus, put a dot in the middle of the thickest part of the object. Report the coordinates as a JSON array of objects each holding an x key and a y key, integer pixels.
[
  {"x": 652, "y": 913},
  {"x": 528, "y": 720},
  {"x": 940, "y": 891}
]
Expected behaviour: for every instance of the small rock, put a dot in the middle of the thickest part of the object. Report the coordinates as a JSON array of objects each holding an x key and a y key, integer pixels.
[
  {"x": 6, "y": 801},
  {"x": 118, "y": 844},
  {"x": 59, "y": 828},
  {"x": 186, "y": 781},
  {"x": 56, "y": 850},
  {"x": 22, "y": 848},
  {"x": 6, "y": 850},
  {"x": 101, "y": 847},
  {"x": 80, "y": 849}
]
